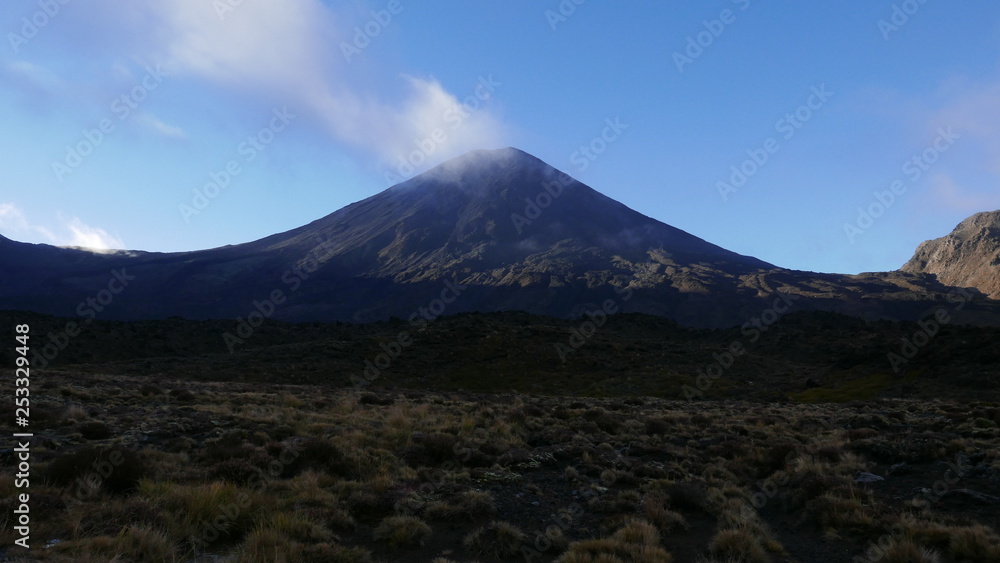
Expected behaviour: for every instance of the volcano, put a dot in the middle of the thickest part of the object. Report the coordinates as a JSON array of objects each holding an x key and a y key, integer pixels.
[{"x": 491, "y": 230}]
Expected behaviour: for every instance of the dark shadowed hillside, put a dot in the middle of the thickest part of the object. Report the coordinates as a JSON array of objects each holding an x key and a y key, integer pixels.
[{"x": 488, "y": 231}]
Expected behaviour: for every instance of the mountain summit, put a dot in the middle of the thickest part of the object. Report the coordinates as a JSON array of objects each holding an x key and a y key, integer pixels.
[
  {"x": 492, "y": 229},
  {"x": 492, "y": 214}
]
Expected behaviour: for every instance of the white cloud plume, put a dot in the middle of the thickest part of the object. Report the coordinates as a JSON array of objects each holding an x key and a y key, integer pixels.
[
  {"x": 15, "y": 224},
  {"x": 289, "y": 54},
  {"x": 93, "y": 238}
]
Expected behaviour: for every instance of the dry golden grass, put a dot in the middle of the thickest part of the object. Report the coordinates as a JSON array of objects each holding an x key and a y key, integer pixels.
[
  {"x": 402, "y": 531},
  {"x": 902, "y": 550},
  {"x": 320, "y": 475},
  {"x": 739, "y": 544},
  {"x": 636, "y": 541}
]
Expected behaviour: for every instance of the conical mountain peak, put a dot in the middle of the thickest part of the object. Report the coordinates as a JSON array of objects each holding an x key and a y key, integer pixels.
[
  {"x": 501, "y": 226},
  {"x": 501, "y": 207},
  {"x": 480, "y": 171}
]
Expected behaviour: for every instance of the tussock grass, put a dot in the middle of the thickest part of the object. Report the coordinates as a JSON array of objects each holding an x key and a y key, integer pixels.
[
  {"x": 339, "y": 475},
  {"x": 498, "y": 540},
  {"x": 402, "y": 531},
  {"x": 637, "y": 541}
]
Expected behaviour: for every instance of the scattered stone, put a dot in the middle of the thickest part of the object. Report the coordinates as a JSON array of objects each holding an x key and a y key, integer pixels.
[{"x": 865, "y": 477}]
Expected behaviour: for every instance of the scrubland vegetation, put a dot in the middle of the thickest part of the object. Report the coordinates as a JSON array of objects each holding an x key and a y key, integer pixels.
[{"x": 129, "y": 469}]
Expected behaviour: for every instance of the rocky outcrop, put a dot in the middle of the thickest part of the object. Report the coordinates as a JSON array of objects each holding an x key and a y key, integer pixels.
[{"x": 967, "y": 257}]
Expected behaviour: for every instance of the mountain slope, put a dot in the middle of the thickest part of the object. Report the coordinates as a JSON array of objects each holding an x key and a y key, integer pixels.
[
  {"x": 487, "y": 210},
  {"x": 969, "y": 256},
  {"x": 488, "y": 231}
]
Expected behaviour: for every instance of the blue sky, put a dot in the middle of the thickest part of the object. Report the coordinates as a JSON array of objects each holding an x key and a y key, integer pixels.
[{"x": 301, "y": 107}]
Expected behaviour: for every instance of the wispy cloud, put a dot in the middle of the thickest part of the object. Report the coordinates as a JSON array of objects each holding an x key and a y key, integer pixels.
[
  {"x": 93, "y": 238},
  {"x": 72, "y": 232},
  {"x": 159, "y": 127},
  {"x": 286, "y": 53},
  {"x": 291, "y": 51},
  {"x": 36, "y": 85},
  {"x": 945, "y": 193},
  {"x": 33, "y": 74},
  {"x": 974, "y": 109},
  {"x": 968, "y": 182},
  {"x": 14, "y": 222},
  {"x": 393, "y": 132}
]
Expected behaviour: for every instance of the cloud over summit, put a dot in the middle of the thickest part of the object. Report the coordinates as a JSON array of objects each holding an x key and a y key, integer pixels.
[{"x": 290, "y": 54}]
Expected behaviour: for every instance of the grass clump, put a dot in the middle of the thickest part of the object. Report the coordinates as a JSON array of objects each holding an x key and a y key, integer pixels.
[
  {"x": 92, "y": 469},
  {"x": 469, "y": 506},
  {"x": 499, "y": 540},
  {"x": 637, "y": 541},
  {"x": 136, "y": 543},
  {"x": 402, "y": 531}
]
